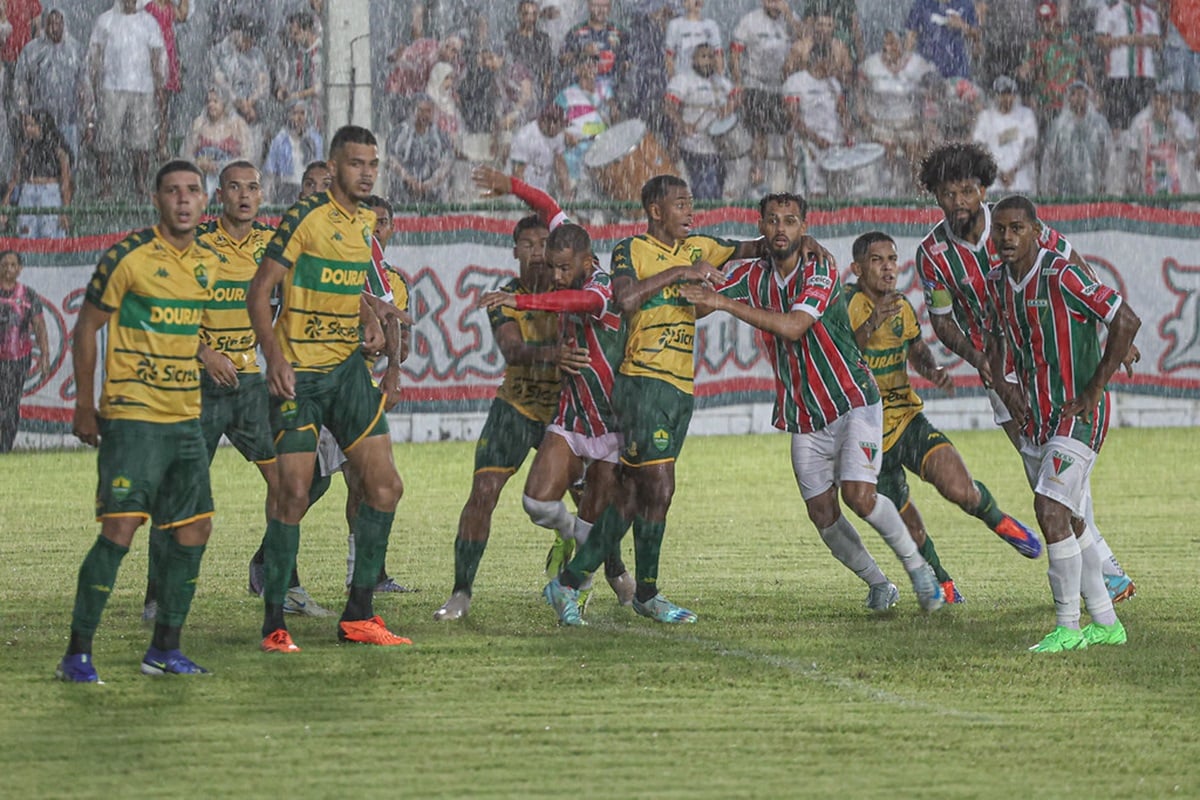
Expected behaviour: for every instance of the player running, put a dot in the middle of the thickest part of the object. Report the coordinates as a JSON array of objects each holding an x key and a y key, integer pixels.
[{"x": 888, "y": 334}]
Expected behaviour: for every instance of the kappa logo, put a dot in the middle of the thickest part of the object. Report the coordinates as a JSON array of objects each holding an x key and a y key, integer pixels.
[
  {"x": 337, "y": 236},
  {"x": 870, "y": 450},
  {"x": 161, "y": 272},
  {"x": 662, "y": 439},
  {"x": 121, "y": 487},
  {"x": 1061, "y": 461}
]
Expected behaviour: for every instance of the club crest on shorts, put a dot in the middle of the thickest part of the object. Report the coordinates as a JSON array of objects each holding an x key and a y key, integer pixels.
[
  {"x": 1061, "y": 462},
  {"x": 870, "y": 450},
  {"x": 287, "y": 409},
  {"x": 662, "y": 439},
  {"x": 121, "y": 487}
]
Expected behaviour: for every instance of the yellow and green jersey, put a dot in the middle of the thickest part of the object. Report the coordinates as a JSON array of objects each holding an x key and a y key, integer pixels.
[
  {"x": 887, "y": 356},
  {"x": 157, "y": 296},
  {"x": 662, "y": 332},
  {"x": 326, "y": 250},
  {"x": 225, "y": 325},
  {"x": 532, "y": 389}
]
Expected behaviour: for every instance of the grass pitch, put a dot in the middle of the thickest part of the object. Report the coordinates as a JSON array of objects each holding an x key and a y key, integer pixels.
[{"x": 785, "y": 688}]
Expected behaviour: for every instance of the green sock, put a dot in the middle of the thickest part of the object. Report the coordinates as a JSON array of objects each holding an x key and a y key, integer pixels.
[
  {"x": 647, "y": 545},
  {"x": 177, "y": 582},
  {"x": 987, "y": 510},
  {"x": 97, "y": 575},
  {"x": 930, "y": 554},
  {"x": 160, "y": 540},
  {"x": 605, "y": 537},
  {"x": 467, "y": 556},
  {"x": 371, "y": 530},
  {"x": 280, "y": 545}
]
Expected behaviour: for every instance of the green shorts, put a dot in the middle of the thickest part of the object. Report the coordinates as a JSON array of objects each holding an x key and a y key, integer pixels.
[
  {"x": 909, "y": 452},
  {"x": 241, "y": 413},
  {"x": 506, "y": 438},
  {"x": 153, "y": 469},
  {"x": 345, "y": 400},
  {"x": 653, "y": 416}
]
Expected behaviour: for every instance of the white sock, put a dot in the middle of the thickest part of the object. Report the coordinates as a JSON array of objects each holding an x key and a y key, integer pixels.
[
  {"x": 887, "y": 520},
  {"x": 583, "y": 529},
  {"x": 1091, "y": 584},
  {"x": 551, "y": 514},
  {"x": 1066, "y": 564},
  {"x": 1108, "y": 562},
  {"x": 846, "y": 545}
]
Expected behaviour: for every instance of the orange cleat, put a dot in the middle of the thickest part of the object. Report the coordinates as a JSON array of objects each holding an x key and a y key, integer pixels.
[
  {"x": 950, "y": 593},
  {"x": 369, "y": 631},
  {"x": 279, "y": 641}
]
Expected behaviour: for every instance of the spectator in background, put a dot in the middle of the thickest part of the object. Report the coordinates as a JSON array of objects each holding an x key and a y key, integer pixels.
[
  {"x": 41, "y": 177},
  {"x": 558, "y": 18},
  {"x": 588, "y": 108},
  {"x": 644, "y": 84},
  {"x": 889, "y": 85},
  {"x": 687, "y": 31},
  {"x": 1181, "y": 64},
  {"x": 598, "y": 36},
  {"x": 1009, "y": 130},
  {"x": 696, "y": 98},
  {"x": 819, "y": 116},
  {"x": 760, "y": 44},
  {"x": 1006, "y": 26},
  {"x": 292, "y": 151},
  {"x": 20, "y": 316},
  {"x": 1053, "y": 60},
  {"x": 217, "y": 136},
  {"x": 50, "y": 75},
  {"x": 21, "y": 17},
  {"x": 1162, "y": 148},
  {"x": 298, "y": 73},
  {"x": 537, "y": 153},
  {"x": 1078, "y": 148},
  {"x": 420, "y": 157},
  {"x": 819, "y": 32},
  {"x": 239, "y": 69},
  {"x": 414, "y": 62},
  {"x": 531, "y": 48},
  {"x": 847, "y": 26},
  {"x": 1130, "y": 34},
  {"x": 441, "y": 89},
  {"x": 125, "y": 57},
  {"x": 943, "y": 31},
  {"x": 168, "y": 14}
]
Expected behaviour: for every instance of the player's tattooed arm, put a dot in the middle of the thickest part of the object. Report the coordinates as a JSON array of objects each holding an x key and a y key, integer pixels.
[
  {"x": 1121, "y": 331},
  {"x": 949, "y": 334},
  {"x": 921, "y": 359}
]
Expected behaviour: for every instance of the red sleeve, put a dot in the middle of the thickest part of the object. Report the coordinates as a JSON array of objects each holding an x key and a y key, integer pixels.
[
  {"x": 572, "y": 300},
  {"x": 545, "y": 206}
]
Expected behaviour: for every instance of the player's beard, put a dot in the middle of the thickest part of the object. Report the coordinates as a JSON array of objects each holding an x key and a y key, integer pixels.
[{"x": 964, "y": 227}]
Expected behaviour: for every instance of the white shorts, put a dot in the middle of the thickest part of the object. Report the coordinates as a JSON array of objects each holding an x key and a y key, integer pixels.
[
  {"x": 330, "y": 457},
  {"x": 1066, "y": 468},
  {"x": 851, "y": 449},
  {"x": 590, "y": 448}
]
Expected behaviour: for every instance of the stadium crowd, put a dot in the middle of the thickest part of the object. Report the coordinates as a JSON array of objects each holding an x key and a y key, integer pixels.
[{"x": 1075, "y": 98}]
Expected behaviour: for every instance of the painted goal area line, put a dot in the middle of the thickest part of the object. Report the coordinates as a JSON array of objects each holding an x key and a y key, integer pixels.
[{"x": 806, "y": 669}]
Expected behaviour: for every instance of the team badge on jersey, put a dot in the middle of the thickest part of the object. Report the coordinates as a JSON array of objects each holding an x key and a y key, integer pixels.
[
  {"x": 662, "y": 439},
  {"x": 121, "y": 487},
  {"x": 201, "y": 276}
]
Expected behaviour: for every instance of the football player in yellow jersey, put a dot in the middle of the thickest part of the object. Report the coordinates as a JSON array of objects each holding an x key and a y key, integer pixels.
[
  {"x": 317, "y": 376},
  {"x": 886, "y": 329},
  {"x": 524, "y": 404},
  {"x": 151, "y": 290},
  {"x": 652, "y": 394}
]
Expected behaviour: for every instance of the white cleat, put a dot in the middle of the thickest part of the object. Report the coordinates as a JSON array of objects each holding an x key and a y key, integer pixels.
[{"x": 455, "y": 608}]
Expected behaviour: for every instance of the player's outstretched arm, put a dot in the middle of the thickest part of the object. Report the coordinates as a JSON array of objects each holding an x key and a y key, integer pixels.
[
  {"x": 631, "y": 294},
  {"x": 921, "y": 359},
  {"x": 790, "y": 325},
  {"x": 86, "y": 425},
  {"x": 948, "y": 333}
]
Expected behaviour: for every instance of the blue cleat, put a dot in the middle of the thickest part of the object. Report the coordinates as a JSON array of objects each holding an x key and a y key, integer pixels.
[
  {"x": 660, "y": 609},
  {"x": 1120, "y": 587},
  {"x": 882, "y": 596},
  {"x": 565, "y": 602},
  {"x": 1020, "y": 536},
  {"x": 77, "y": 668},
  {"x": 169, "y": 662}
]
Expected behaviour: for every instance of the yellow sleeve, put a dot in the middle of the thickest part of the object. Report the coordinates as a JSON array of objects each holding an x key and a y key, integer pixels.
[{"x": 859, "y": 309}]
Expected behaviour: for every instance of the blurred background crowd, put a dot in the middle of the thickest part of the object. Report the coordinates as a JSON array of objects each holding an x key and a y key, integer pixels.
[{"x": 832, "y": 98}]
